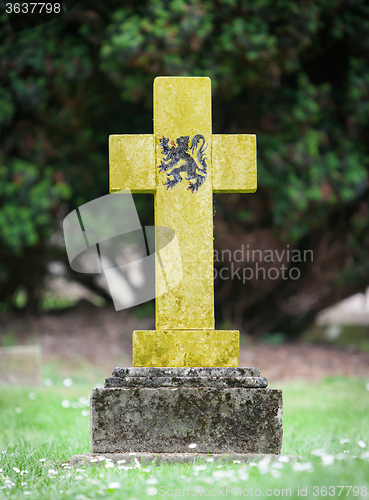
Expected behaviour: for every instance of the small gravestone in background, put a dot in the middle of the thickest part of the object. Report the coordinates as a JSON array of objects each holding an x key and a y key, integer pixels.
[
  {"x": 185, "y": 392},
  {"x": 20, "y": 365}
]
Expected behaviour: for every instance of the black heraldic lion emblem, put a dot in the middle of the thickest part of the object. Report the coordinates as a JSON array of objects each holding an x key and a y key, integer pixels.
[{"x": 172, "y": 155}]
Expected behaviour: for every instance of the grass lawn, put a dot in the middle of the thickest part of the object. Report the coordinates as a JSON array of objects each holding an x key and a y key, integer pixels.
[{"x": 38, "y": 435}]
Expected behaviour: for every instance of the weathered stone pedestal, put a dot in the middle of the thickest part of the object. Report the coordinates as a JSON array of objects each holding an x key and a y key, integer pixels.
[{"x": 165, "y": 410}]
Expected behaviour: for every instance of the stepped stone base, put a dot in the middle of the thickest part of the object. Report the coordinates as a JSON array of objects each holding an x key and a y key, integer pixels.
[{"x": 165, "y": 410}]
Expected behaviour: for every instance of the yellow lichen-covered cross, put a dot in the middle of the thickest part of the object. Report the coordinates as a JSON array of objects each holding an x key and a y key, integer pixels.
[{"x": 193, "y": 164}]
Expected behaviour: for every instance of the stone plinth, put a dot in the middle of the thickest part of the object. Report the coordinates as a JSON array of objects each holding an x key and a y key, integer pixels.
[
  {"x": 164, "y": 410},
  {"x": 185, "y": 348}
]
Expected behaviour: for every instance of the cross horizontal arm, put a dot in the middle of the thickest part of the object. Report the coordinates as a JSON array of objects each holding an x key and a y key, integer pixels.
[
  {"x": 234, "y": 163},
  {"x": 132, "y": 163}
]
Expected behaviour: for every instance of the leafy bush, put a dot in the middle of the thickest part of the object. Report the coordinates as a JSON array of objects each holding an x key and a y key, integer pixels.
[{"x": 293, "y": 73}]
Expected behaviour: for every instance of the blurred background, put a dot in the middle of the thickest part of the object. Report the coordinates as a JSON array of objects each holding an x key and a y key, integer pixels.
[{"x": 294, "y": 73}]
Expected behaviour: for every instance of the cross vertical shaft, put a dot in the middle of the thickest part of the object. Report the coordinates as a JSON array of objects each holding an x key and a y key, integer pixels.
[{"x": 182, "y": 107}]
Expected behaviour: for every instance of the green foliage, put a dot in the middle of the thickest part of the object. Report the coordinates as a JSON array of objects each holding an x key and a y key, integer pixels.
[
  {"x": 29, "y": 196},
  {"x": 293, "y": 73}
]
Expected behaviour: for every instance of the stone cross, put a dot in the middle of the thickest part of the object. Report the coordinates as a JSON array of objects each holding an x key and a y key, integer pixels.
[{"x": 183, "y": 164}]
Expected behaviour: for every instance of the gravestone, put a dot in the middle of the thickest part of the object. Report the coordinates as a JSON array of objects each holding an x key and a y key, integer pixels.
[
  {"x": 20, "y": 365},
  {"x": 185, "y": 386}
]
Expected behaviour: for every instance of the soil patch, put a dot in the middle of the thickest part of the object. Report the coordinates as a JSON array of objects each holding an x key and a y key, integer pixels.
[{"x": 102, "y": 337}]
